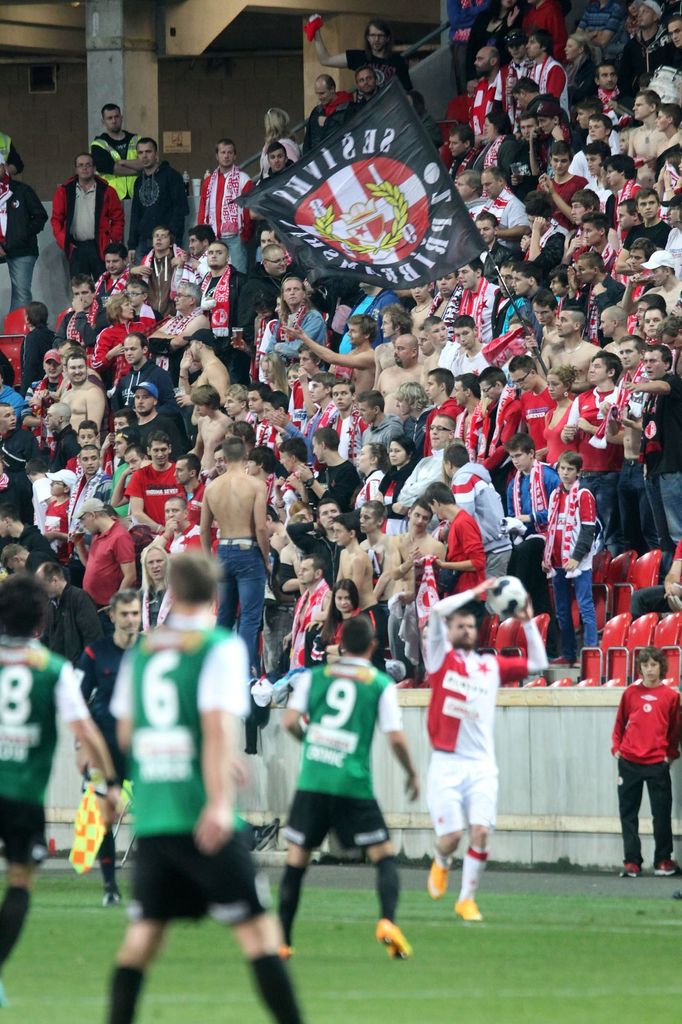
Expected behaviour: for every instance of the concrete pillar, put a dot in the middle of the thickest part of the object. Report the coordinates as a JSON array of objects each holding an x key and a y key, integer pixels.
[
  {"x": 340, "y": 33},
  {"x": 120, "y": 39}
]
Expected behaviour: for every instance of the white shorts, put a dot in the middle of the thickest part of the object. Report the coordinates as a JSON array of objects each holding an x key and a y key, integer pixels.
[{"x": 460, "y": 792}]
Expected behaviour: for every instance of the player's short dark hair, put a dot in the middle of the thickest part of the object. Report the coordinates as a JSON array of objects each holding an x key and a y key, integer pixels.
[
  {"x": 570, "y": 458},
  {"x": 357, "y": 635},
  {"x": 123, "y": 597},
  {"x": 374, "y": 399},
  {"x": 296, "y": 447},
  {"x": 263, "y": 457},
  {"x": 350, "y": 521},
  {"x": 192, "y": 460},
  {"x": 9, "y": 511},
  {"x": 469, "y": 382},
  {"x": 193, "y": 578},
  {"x": 439, "y": 492},
  {"x": 87, "y": 425},
  {"x": 328, "y": 437},
  {"x": 279, "y": 401},
  {"x": 116, "y": 249},
  {"x": 37, "y": 465},
  {"x": 611, "y": 361},
  {"x": 443, "y": 376},
  {"x": 158, "y": 437},
  {"x": 456, "y": 454},
  {"x": 492, "y": 375},
  {"x": 319, "y": 564},
  {"x": 623, "y": 165},
  {"x": 523, "y": 363},
  {"x": 664, "y": 350},
  {"x": 234, "y": 449},
  {"x": 23, "y": 605},
  {"x": 202, "y": 233},
  {"x": 37, "y": 314}
]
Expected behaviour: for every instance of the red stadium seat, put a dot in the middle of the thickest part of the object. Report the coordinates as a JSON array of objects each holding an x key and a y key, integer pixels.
[
  {"x": 669, "y": 631},
  {"x": 559, "y": 683},
  {"x": 508, "y": 640},
  {"x": 644, "y": 573},
  {"x": 11, "y": 346},
  {"x": 615, "y": 683},
  {"x": 600, "y": 565},
  {"x": 588, "y": 682},
  {"x": 488, "y": 633},
  {"x": 534, "y": 683},
  {"x": 542, "y": 622},
  {"x": 641, "y": 632},
  {"x": 15, "y": 322},
  {"x": 612, "y": 655},
  {"x": 619, "y": 568}
]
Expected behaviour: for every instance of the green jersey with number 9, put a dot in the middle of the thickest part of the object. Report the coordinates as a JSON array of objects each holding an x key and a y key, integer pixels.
[
  {"x": 34, "y": 685},
  {"x": 343, "y": 702},
  {"x": 166, "y": 672}
]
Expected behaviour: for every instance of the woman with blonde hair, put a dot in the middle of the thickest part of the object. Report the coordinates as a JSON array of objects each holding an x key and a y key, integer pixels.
[
  {"x": 273, "y": 372},
  {"x": 154, "y": 593},
  {"x": 580, "y": 65},
  {"x": 276, "y": 123},
  {"x": 412, "y": 402},
  {"x": 107, "y": 355},
  {"x": 560, "y": 380}
]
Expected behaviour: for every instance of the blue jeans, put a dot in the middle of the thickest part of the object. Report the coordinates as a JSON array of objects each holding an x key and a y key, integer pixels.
[
  {"x": 562, "y": 601},
  {"x": 671, "y": 496},
  {"x": 21, "y": 276},
  {"x": 636, "y": 518},
  {"x": 239, "y": 257},
  {"x": 604, "y": 487},
  {"x": 243, "y": 586}
]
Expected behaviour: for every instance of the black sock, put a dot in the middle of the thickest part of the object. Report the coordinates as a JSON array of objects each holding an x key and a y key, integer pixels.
[
  {"x": 12, "y": 916},
  {"x": 276, "y": 989},
  {"x": 289, "y": 895},
  {"x": 125, "y": 990},
  {"x": 388, "y": 886},
  {"x": 107, "y": 860}
]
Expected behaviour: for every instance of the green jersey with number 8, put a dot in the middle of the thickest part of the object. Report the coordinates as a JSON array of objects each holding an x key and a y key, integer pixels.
[
  {"x": 343, "y": 702},
  {"x": 34, "y": 685},
  {"x": 165, "y": 683}
]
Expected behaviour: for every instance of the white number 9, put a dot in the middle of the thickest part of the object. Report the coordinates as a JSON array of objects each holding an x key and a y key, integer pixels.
[{"x": 341, "y": 698}]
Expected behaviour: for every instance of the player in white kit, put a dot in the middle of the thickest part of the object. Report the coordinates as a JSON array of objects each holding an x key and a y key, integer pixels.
[{"x": 462, "y": 778}]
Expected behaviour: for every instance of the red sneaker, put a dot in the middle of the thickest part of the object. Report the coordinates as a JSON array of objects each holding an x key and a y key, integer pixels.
[
  {"x": 630, "y": 870},
  {"x": 667, "y": 868}
]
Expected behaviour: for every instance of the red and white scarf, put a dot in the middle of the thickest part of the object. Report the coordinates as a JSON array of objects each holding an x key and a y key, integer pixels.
[
  {"x": 592, "y": 317},
  {"x": 72, "y": 332},
  {"x": 294, "y": 319},
  {"x": 303, "y": 613},
  {"x": 297, "y": 405},
  {"x": 491, "y": 155},
  {"x": 231, "y": 217},
  {"x": 266, "y": 434},
  {"x": 117, "y": 288},
  {"x": 451, "y": 311},
  {"x": 607, "y": 96},
  {"x": 328, "y": 417},
  {"x": 628, "y": 191},
  {"x": 220, "y": 314},
  {"x": 427, "y": 594},
  {"x": 538, "y": 493},
  {"x": 553, "y": 227},
  {"x": 483, "y": 101},
  {"x": 172, "y": 325},
  {"x": 370, "y": 489},
  {"x": 608, "y": 254},
  {"x": 622, "y": 398},
  {"x": 507, "y": 396},
  {"x": 356, "y": 428},
  {"x": 473, "y": 303},
  {"x": 571, "y": 524},
  {"x": 186, "y": 272},
  {"x": 166, "y": 603},
  {"x": 468, "y": 429}
]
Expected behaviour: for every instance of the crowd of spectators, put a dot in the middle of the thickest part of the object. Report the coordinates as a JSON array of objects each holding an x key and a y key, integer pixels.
[{"x": 514, "y": 415}]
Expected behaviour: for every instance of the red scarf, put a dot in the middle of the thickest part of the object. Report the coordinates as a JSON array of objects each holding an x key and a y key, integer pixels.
[
  {"x": 118, "y": 286},
  {"x": 427, "y": 594},
  {"x": 356, "y": 429},
  {"x": 185, "y": 272},
  {"x": 72, "y": 332},
  {"x": 538, "y": 493},
  {"x": 220, "y": 314},
  {"x": 231, "y": 217},
  {"x": 468, "y": 429},
  {"x": 490, "y": 158},
  {"x": 507, "y": 396},
  {"x": 303, "y": 612},
  {"x": 592, "y": 317},
  {"x": 483, "y": 101},
  {"x": 294, "y": 319},
  {"x": 570, "y": 523},
  {"x": 623, "y": 396},
  {"x": 266, "y": 435},
  {"x": 628, "y": 191}
]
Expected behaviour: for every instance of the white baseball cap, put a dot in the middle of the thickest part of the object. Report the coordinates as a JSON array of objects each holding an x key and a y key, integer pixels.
[{"x": 660, "y": 258}]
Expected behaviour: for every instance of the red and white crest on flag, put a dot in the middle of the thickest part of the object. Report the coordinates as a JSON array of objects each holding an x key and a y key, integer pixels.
[{"x": 374, "y": 211}]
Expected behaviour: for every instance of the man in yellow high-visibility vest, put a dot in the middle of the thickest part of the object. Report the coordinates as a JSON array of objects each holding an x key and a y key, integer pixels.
[{"x": 115, "y": 152}]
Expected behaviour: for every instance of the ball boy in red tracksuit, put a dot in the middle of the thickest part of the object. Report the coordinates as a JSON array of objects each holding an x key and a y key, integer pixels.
[{"x": 646, "y": 739}]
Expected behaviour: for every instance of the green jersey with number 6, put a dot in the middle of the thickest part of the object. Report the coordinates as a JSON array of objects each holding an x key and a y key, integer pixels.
[
  {"x": 343, "y": 704},
  {"x": 166, "y": 670},
  {"x": 30, "y": 676}
]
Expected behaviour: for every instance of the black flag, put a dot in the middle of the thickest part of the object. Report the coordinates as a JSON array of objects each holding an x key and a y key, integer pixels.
[{"x": 373, "y": 202}]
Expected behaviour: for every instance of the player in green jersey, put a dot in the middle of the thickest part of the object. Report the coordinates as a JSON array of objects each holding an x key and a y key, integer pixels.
[
  {"x": 178, "y": 697},
  {"x": 344, "y": 701},
  {"x": 35, "y": 685}
]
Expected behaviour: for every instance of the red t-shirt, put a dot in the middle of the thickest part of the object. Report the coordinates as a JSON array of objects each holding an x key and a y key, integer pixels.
[
  {"x": 194, "y": 504},
  {"x": 647, "y": 726},
  {"x": 155, "y": 488},
  {"x": 534, "y": 408},
  {"x": 565, "y": 191},
  {"x": 108, "y": 552},
  {"x": 465, "y": 543},
  {"x": 56, "y": 518},
  {"x": 596, "y": 460}
]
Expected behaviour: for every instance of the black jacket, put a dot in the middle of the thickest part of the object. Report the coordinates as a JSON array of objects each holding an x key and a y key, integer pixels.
[
  {"x": 26, "y": 217},
  {"x": 311, "y": 541},
  {"x": 316, "y": 133},
  {"x": 17, "y": 448},
  {"x": 87, "y": 332},
  {"x": 256, "y": 284},
  {"x": 124, "y": 395},
  {"x": 36, "y": 343},
  {"x": 66, "y": 447},
  {"x": 640, "y": 58},
  {"x": 169, "y": 207},
  {"x": 72, "y": 623}
]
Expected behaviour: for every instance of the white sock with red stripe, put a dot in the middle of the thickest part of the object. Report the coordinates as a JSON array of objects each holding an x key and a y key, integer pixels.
[{"x": 473, "y": 867}]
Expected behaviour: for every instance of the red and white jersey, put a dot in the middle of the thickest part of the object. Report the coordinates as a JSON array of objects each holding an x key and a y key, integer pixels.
[
  {"x": 550, "y": 77},
  {"x": 481, "y": 305},
  {"x": 188, "y": 540},
  {"x": 483, "y": 102},
  {"x": 507, "y": 78}
]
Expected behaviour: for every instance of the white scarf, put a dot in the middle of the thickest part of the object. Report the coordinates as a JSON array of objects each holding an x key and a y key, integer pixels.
[{"x": 231, "y": 216}]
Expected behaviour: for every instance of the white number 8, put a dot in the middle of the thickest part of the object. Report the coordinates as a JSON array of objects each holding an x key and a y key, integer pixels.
[
  {"x": 341, "y": 698},
  {"x": 159, "y": 693},
  {"x": 15, "y": 690}
]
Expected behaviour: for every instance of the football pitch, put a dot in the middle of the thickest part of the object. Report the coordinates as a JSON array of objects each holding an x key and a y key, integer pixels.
[{"x": 548, "y": 952}]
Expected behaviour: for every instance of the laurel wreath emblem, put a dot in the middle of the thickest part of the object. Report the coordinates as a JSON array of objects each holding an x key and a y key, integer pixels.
[{"x": 394, "y": 197}]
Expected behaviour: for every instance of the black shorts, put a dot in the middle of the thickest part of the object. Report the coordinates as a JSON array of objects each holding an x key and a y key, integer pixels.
[
  {"x": 355, "y": 822},
  {"x": 22, "y": 830},
  {"x": 174, "y": 879}
]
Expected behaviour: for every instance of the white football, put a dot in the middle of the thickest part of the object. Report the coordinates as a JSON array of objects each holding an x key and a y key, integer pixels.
[{"x": 506, "y": 596}]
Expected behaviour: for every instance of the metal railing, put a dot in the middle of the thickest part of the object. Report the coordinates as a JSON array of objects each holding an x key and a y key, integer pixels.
[{"x": 406, "y": 54}]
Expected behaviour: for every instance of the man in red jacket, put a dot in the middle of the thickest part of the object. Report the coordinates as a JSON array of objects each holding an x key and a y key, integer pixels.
[
  {"x": 87, "y": 216},
  {"x": 646, "y": 739}
]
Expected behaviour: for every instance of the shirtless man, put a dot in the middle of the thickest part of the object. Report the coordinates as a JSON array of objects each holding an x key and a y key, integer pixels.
[
  {"x": 354, "y": 563},
  {"x": 212, "y": 423},
  {"x": 432, "y": 340},
  {"x": 395, "y": 320},
  {"x": 572, "y": 350},
  {"x": 202, "y": 351},
  {"x": 406, "y": 368},
  {"x": 86, "y": 400},
  {"x": 237, "y": 403},
  {"x": 414, "y": 545},
  {"x": 662, "y": 266},
  {"x": 645, "y": 143},
  {"x": 381, "y": 547},
  {"x": 237, "y": 502},
  {"x": 362, "y": 331}
]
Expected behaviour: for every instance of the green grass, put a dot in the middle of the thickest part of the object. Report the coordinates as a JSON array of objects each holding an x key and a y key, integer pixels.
[{"x": 537, "y": 959}]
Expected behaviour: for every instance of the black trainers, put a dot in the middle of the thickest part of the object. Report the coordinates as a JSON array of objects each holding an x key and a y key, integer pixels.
[
  {"x": 266, "y": 834},
  {"x": 112, "y": 897}
]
